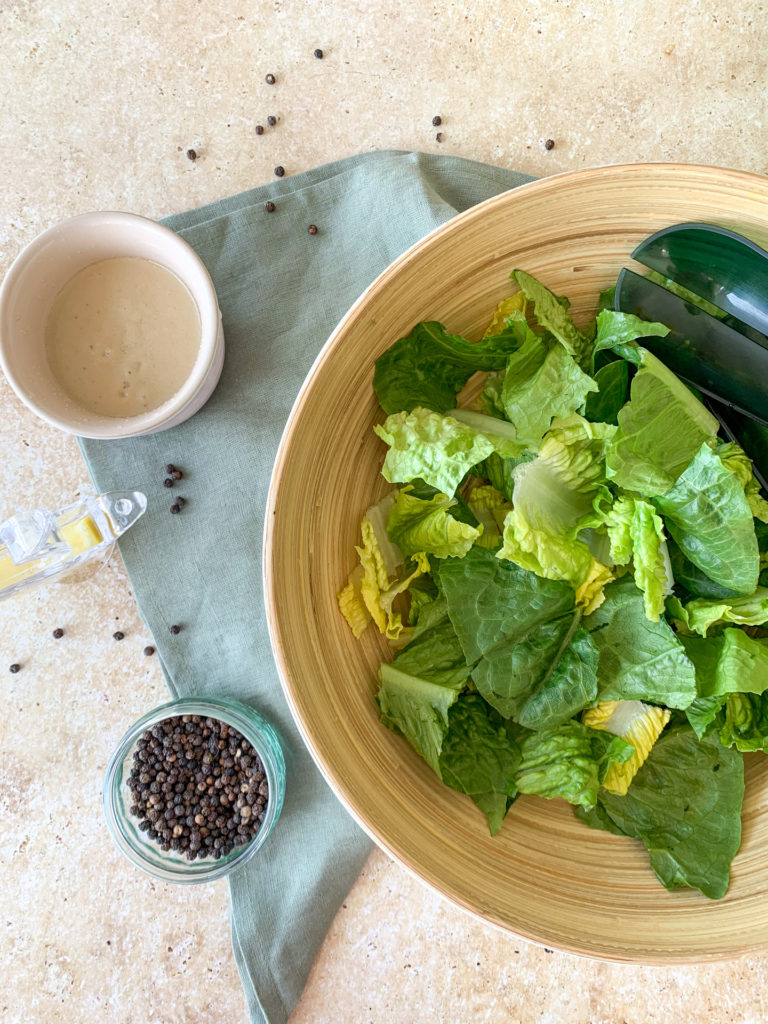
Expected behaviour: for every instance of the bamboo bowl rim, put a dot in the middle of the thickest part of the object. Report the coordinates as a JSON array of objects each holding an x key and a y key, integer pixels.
[{"x": 623, "y": 914}]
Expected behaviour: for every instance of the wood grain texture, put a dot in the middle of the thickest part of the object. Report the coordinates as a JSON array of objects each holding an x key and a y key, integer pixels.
[{"x": 545, "y": 877}]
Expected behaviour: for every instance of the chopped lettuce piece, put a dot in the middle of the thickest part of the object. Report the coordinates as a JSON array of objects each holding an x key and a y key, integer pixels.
[
  {"x": 639, "y": 724},
  {"x": 701, "y": 614},
  {"x": 618, "y": 331},
  {"x": 729, "y": 663},
  {"x": 417, "y": 710},
  {"x": 612, "y": 387},
  {"x": 433, "y": 652},
  {"x": 684, "y": 805},
  {"x": 636, "y": 534},
  {"x": 480, "y": 758},
  {"x": 489, "y": 507},
  {"x": 429, "y": 367},
  {"x": 531, "y": 660},
  {"x": 660, "y": 430},
  {"x": 542, "y": 381},
  {"x": 709, "y": 518},
  {"x": 736, "y": 459},
  {"x": 377, "y": 590},
  {"x": 417, "y": 525},
  {"x": 437, "y": 449},
  {"x": 638, "y": 659},
  {"x": 501, "y": 434},
  {"x": 352, "y": 605},
  {"x": 570, "y": 762},
  {"x": 552, "y": 313},
  {"x": 512, "y": 304}
]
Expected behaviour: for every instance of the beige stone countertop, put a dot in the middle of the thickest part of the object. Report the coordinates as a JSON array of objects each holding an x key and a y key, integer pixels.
[{"x": 101, "y": 101}]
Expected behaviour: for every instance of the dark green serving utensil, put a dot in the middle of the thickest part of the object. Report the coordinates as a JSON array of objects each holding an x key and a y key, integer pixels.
[{"x": 713, "y": 295}]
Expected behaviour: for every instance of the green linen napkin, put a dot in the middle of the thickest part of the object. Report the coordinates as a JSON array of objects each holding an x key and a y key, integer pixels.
[{"x": 281, "y": 293}]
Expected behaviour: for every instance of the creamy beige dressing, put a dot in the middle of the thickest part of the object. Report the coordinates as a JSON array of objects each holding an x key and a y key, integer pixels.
[{"x": 122, "y": 336}]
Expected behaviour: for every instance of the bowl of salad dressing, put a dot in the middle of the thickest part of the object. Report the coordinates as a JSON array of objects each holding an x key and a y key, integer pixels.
[{"x": 110, "y": 327}]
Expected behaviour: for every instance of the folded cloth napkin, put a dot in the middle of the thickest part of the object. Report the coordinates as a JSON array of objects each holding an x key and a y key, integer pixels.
[{"x": 281, "y": 291}]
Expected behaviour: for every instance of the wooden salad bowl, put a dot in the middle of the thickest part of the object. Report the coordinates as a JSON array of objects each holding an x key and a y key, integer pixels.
[{"x": 545, "y": 877}]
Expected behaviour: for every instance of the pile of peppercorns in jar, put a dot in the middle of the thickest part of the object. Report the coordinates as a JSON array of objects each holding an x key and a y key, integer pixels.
[{"x": 198, "y": 786}]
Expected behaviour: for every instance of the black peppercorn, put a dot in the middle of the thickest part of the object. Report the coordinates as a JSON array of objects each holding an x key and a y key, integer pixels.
[
  {"x": 168, "y": 482},
  {"x": 312, "y": 229},
  {"x": 181, "y": 502},
  {"x": 269, "y": 206},
  {"x": 270, "y": 79},
  {"x": 149, "y": 651},
  {"x": 271, "y": 121},
  {"x": 119, "y": 635},
  {"x": 177, "y": 474},
  {"x": 259, "y": 129},
  {"x": 175, "y": 630},
  {"x": 170, "y": 467},
  {"x": 191, "y": 154},
  {"x": 279, "y": 171},
  {"x": 15, "y": 667},
  {"x": 549, "y": 144},
  {"x": 319, "y": 54},
  {"x": 175, "y": 508},
  {"x": 439, "y": 137},
  {"x": 437, "y": 120},
  {"x": 58, "y": 633}
]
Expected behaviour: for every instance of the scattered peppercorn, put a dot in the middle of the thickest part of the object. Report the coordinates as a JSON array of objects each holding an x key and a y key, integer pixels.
[
  {"x": 269, "y": 206},
  {"x": 319, "y": 54},
  {"x": 58, "y": 633},
  {"x": 177, "y": 474},
  {"x": 175, "y": 630},
  {"x": 271, "y": 121},
  {"x": 198, "y": 787},
  {"x": 312, "y": 229},
  {"x": 439, "y": 137},
  {"x": 181, "y": 502},
  {"x": 15, "y": 667},
  {"x": 191, "y": 154},
  {"x": 170, "y": 467},
  {"x": 149, "y": 651},
  {"x": 279, "y": 171},
  {"x": 549, "y": 144},
  {"x": 437, "y": 120},
  {"x": 175, "y": 508},
  {"x": 259, "y": 129},
  {"x": 118, "y": 635},
  {"x": 168, "y": 482},
  {"x": 270, "y": 79}
]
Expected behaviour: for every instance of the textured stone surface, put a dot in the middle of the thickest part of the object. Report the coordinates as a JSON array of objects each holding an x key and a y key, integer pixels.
[{"x": 101, "y": 103}]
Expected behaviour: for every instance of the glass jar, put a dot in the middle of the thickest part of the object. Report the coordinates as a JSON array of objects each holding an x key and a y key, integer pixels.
[{"x": 171, "y": 866}]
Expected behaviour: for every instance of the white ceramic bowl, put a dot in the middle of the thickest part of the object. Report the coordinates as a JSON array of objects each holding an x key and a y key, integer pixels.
[{"x": 36, "y": 277}]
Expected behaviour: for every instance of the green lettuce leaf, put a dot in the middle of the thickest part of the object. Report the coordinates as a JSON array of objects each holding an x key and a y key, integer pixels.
[
  {"x": 433, "y": 652},
  {"x": 709, "y": 518},
  {"x": 531, "y": 661},
  {"x": 684, "y": 805},
  {"x": 731, "y": 677},
  {"x": 480, "y": 758},
  {"x": 692, "y": 580},
  {"x": 729, "y": 663},
  {"x": 500, "y": 473},
  {"x": 556, "y": 495},
  {"x": 638, "y": 659},
  {"x": 701, "y": 614},
  {"x": 418, "y": 525},
  {"x": 660, "y": 430},
  {"x": 569, "y": 762},
  {"x": 542, "y": 381},
  {"x": 501, "y": 434},
  {"x": 738, "y": 462},
  {"x": 437, "y": 449},
  {"x": 430, "y": 366},
  {"x": 613, "y": 385},
  {"x": 619, "y": 332},
  {"x": 552, "y": 313},
  {"x": 636, "y": 534},
  {"x": 417, "y": 710}
]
